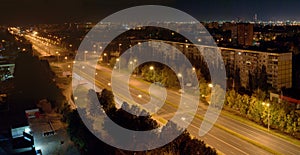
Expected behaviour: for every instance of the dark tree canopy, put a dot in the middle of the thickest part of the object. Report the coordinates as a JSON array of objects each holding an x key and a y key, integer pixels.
[{"x": 34, "y": 80}]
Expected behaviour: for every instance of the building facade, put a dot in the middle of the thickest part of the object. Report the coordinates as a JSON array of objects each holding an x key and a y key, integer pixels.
[
  {"x": 241, "y": 33},
  {"x": 278, "y": 66}
]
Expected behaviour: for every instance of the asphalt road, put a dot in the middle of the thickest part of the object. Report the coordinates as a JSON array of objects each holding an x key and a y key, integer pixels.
[
  {"x": 222, "y": 140},
  {"x": 217, "y": 138}
]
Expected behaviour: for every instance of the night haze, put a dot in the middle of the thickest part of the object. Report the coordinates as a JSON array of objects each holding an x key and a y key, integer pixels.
[{"x": 56, "y": 11}]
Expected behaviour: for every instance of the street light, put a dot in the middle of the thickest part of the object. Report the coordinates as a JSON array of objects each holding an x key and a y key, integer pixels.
[
  {"x": 58, "y": 54},
  {"x": 180, "y": 76},
  {"x": 152, "y": 69},
  {"x": 135, "y": 62},
  {"x": 85, "y": 52},
  {"x": 194, "y": 69},
  {"x": 120, "y": 48},
  {"x": 268, "y": 106},
  {"x": 131, "y": 64},
  {"x": 105, "y": 54},
  {"x": 118, "y": 60}
]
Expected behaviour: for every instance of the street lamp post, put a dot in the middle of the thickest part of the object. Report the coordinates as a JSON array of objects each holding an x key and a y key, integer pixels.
[
  {"x": 180, "y": 76},
  {"x": 135, "y": 62},
  {"x": 85, "y": 52},
  {"x": 105, "y": 56},
  {"x": 95, "y": 46},
  {"x": 152, "y": 69},
  {"x": 131, "y": 64},
  {"x": 120, "y": 48},
  {"x": 268, "y": 106},
  {"x": 139, "y": 44},
  {"x": 119, "y": 62},
  {"x": 58, "y": 54}
]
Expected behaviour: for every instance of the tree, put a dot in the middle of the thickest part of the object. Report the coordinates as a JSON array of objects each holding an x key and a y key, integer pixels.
[
  {"x": 237, "y": 79},
  {"x": 203, "y": 86},
  {"x": 255, "y": 110},
  {"x": 107, "y": 101},
  {"x": 250, "y": 81},
  {"x": 230, "y": 98},
  {"x": 112, "y": 62},
  {"x": 76, "y": 130},
  {"x": 34, "y": 81},
  {"x": 263, "y": 79},
  {"x": 244, "y": 107},
  {"x": 218, "y": 96},
  {"x": 260, "y": 95},
  {"x": 169, "y": 78}
]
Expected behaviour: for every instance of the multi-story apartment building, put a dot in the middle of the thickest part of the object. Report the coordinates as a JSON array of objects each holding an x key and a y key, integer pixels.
[
  {"x": 278, "y": 66},
  {"x": 241, "y": 32}
]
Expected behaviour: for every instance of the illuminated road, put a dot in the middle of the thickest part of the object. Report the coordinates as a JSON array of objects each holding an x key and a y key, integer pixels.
[{"x": 218, "y": 138}]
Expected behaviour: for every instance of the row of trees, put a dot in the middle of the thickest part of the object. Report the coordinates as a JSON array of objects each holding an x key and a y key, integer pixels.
[
  {"x": 89, "y": 144},
  {"x": 283, "y": 116},
  {"x": 256, "y": 79},
  {"x": 167, "y": 77}
]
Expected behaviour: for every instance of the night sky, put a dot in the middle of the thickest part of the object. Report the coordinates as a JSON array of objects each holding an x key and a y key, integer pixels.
[{"x": 59, "y": 11}]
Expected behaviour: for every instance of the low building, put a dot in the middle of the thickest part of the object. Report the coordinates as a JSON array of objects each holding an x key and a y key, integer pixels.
[
  {"x": 20, "y": 138},
  {"x": 6, "y": 71}
]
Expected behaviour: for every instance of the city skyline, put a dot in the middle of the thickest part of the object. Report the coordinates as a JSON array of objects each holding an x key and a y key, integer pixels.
[{"x": 36, "y": 12}]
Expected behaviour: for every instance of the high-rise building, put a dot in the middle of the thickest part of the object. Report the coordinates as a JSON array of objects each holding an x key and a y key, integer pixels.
[
  {"x": 245, "y": 34},
  {"x": 232, "y": 27},
  {"x": 241, "y": 33},
  {"x": 255, "y": 18}
]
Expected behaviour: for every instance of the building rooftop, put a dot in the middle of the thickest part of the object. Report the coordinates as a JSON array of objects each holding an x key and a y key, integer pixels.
[{"x": 249, "y": 49}]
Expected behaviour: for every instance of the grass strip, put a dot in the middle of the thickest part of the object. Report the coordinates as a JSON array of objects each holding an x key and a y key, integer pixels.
[{"x": 242, "y": 137}]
